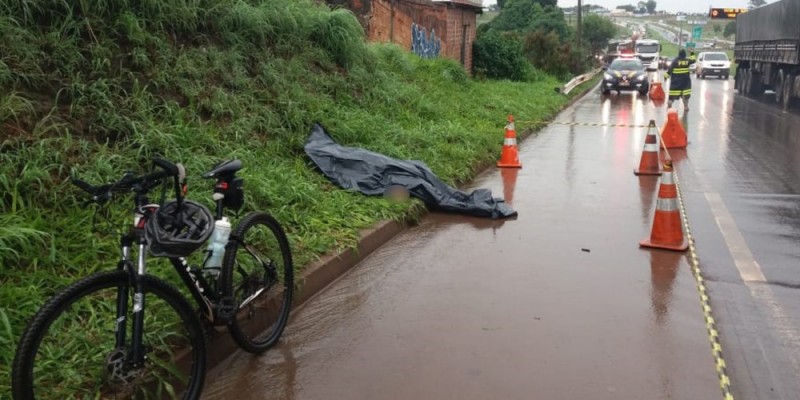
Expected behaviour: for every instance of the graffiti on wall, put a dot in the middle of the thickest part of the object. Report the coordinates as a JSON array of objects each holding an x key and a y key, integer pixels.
[{"x": 423, "y": 44}]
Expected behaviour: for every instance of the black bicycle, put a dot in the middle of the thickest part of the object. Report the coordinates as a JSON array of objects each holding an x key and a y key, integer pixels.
[{"x": 128, "y": 334}]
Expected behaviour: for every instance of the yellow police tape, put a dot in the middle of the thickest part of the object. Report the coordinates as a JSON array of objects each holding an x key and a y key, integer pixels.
[
  {"x": 593, "y": 124},
  {"x": 711, "y": 327}
]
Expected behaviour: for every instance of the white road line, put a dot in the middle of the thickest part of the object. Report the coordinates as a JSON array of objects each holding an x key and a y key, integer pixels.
[
  {"x": 748, "y": 268},
  {"x": 755, "y": 281}
]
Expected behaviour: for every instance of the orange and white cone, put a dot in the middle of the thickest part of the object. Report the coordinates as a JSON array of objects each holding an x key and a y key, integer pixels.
[
  {"x": 509, "y": 158},
  {"x": 649, "y": 163},
  {"x": 657, "y": 92},
  {"x": 667, "y": 231}
]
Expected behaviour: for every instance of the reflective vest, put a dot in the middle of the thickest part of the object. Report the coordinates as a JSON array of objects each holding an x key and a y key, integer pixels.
[{"x": 678, "y": 73}]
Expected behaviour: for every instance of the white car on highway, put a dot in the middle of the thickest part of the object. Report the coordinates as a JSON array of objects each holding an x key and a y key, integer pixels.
[{"x": 715, "y": 63}]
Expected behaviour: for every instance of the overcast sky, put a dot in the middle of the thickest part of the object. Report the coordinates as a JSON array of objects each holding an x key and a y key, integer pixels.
[{"x": 691, "y": 6}]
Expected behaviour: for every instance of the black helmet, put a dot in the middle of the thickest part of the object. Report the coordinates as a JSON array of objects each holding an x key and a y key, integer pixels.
[{"x": 174, "y": 231}]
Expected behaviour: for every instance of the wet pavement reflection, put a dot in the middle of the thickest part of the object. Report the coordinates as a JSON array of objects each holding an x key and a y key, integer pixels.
[
  {"x": 663, "y": 271},
  {"x": 561, "y": 303}
]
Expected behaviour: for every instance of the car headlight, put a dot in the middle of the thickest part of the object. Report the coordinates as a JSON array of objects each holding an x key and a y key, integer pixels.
[
  {"x": 608, "y": 76},
  {"x": 641, "y": 77}
]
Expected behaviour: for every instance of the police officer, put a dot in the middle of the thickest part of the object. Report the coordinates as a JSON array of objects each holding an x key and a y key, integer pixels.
[{"x": 680, "y": 85}]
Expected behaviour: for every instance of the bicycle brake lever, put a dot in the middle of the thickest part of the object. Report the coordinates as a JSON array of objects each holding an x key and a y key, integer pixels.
[{"x": 83, "y": 185}]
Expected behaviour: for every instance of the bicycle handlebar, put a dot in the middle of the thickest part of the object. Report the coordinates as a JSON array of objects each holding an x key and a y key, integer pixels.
[{"x": 139, "y": 184}]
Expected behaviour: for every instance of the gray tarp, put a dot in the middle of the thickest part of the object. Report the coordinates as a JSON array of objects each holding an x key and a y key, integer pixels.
[
  {"x": 776, "y": 21},
  {"x": 371, "y": 173}
]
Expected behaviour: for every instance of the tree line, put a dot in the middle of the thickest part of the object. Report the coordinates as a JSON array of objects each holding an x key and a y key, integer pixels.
[{"x": 529, "y": 36}]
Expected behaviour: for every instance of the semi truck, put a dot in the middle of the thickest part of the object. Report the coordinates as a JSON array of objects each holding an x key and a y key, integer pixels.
[
  {"x": 767, "y": 51},
  {"x": 649, "y": 51}
]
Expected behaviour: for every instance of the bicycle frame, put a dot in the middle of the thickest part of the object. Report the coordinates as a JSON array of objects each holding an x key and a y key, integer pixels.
[{"x": 203, "y": 293}]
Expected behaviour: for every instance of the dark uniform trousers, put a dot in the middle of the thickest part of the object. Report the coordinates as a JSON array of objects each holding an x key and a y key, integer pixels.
[{"x": 680, "y": 84}]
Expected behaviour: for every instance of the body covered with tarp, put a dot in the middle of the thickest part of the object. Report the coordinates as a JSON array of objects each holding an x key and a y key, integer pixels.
[
  {"x": 372, "y": 173},
  {"x": 769, "y": 34}
]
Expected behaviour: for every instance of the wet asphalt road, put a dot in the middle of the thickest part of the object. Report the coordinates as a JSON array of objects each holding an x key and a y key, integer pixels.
[{"x": 561, "y": 303}]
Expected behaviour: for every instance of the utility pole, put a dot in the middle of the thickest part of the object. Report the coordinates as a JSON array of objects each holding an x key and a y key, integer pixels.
[
  {"x": 578, "y": 34},
  {"x": 578, "y": 31}
]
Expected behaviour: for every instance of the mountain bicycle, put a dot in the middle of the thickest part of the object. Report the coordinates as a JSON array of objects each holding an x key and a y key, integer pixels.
[{"x": 128, "y": 334}]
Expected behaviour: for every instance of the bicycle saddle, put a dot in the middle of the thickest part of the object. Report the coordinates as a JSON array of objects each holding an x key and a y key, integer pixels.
[{"x": 223, "y": 168}]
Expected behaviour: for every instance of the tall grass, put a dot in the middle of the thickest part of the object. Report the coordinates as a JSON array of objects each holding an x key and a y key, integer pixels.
[{"x": 97, "y": 87}]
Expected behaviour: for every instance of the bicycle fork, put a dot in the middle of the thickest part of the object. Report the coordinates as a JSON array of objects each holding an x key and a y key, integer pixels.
[{"x": 136, "y": 355}]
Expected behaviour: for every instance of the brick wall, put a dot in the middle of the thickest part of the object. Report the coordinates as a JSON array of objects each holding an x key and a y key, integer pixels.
[
  {"x": 461, "y": 33},
  {"x": 392, "y": 21}
]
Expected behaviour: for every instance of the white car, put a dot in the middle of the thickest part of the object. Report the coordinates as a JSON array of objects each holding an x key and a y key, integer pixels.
[{"x": 715, "y": 63}]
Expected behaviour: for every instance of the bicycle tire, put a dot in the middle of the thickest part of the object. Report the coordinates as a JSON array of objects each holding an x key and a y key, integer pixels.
[
  {"x": 258, "y": 257},
  {"x": 41, "y": 339}
]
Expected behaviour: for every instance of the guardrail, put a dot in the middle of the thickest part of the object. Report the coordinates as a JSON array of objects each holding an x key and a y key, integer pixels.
[{"x": 574, "y": 82}]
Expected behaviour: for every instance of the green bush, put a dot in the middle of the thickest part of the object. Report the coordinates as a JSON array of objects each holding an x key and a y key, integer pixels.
[
  {"x": 547, "y": 52},
  {"x": 498, "y": 55}
]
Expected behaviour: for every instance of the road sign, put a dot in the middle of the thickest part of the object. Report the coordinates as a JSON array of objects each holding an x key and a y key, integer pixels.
[
  {"x": 690, "y": 45},
  {"x": 697, "y": 32},
  {"x": 726, "y": 13},
  {"x": 680, "y": 18}
]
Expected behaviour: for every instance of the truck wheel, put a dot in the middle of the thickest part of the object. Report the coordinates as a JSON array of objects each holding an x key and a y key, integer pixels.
[
  {"x": 778, "y": 86},
  {"x": 787, "y": 91},
  {"x": 746, "y": 83},
  {"x": 756, "y": 87}
]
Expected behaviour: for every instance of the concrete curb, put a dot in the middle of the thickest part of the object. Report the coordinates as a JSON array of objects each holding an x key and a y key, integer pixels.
[
  {"x": 525, "y": 132},
  {"x": 330, "y": 267}
]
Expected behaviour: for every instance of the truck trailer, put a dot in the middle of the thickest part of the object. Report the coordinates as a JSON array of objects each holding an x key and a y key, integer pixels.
[{"x": 767, "y": 51}]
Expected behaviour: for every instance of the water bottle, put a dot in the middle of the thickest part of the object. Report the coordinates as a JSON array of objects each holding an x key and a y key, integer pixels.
[{"x": 219, "y": 238}]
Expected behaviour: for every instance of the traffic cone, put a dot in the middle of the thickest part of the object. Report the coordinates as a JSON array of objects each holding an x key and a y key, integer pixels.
[
  {"x": 649, "y": 164},
  {"x": 667, "y": 231},
  {"x": 657, "y": 92},
  {"x": 673, "y": 135},
  {"x": 509, "y": 158}
]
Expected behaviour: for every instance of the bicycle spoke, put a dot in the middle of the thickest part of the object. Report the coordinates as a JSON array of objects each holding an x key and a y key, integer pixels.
[
  {"x": 259, "y": 275},
  {"x": 77, "y": 356}
]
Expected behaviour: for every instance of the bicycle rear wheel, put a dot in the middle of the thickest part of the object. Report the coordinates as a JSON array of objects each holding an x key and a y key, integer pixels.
[
  {"x": 257, "y": 272},
  {"x": 69, "y": 348}
]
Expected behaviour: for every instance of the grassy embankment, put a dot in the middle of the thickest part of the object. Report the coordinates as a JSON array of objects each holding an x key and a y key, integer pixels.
[
  {"x": 97, "y": 88},
  {"x": 668, "y": 49}
]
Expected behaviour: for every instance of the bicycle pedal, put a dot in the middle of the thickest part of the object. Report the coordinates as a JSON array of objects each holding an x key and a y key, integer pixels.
[{"x": 226, "y": 310}]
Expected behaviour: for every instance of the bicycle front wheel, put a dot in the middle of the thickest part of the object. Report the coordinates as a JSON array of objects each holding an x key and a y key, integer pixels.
[
  {"x": 257, "y": 272},
  {"x": 69, "y": 349}
]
